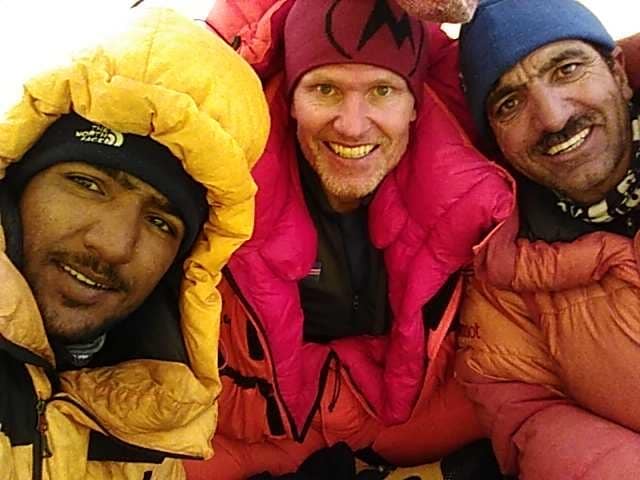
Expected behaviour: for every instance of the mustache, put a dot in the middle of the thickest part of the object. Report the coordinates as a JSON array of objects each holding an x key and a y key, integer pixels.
[
  {"x": 574, "y": 125},
  {"x": 91, "y": 264}
]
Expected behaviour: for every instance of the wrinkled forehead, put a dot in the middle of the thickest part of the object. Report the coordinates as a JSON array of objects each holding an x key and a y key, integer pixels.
[{"x": 542, "y": 60}]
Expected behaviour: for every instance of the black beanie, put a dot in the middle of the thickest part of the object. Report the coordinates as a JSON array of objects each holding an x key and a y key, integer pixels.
[{"x": 74, "y": 139}]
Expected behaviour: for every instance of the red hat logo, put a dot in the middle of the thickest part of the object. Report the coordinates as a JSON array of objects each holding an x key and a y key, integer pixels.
[{"x": 401, "y": 27}]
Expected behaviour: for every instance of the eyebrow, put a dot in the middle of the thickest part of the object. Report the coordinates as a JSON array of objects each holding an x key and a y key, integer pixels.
[
  {"x": 123, "y": 179},
  {"x": 323, "y": 78},
  {"x": 569, "y": 53}
]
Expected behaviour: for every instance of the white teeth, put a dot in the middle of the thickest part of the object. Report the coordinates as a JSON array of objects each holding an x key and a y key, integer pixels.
[
  {"x": 572, "y": 143},
  {"x": 351, "y": 152},
  {"x": 81, "y": 278}
]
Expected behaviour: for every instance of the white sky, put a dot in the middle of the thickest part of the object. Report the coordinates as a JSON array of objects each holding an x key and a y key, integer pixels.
[{"x": 38, "y": 34}]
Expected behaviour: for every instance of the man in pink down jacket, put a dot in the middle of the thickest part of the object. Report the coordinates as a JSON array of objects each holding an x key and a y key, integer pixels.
[
  {"x": 551, "y": 326},
  {"x": 339, "y": 314}
]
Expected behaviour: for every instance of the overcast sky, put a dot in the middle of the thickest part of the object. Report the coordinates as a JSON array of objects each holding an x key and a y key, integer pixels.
[{"x": 37, "y": 34}]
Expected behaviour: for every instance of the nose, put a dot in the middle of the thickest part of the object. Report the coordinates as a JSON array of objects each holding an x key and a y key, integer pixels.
[
  {"x": 550, "y": 109},
  {"x": 114, "y": 235},
  {"x": 352, "y": 119}
]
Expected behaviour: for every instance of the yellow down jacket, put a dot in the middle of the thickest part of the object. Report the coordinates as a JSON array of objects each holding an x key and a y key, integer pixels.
[{"x": 174, "y": 81}]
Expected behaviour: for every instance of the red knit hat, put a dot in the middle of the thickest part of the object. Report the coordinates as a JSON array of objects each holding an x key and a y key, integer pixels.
[{"x": 373, "y": 32}]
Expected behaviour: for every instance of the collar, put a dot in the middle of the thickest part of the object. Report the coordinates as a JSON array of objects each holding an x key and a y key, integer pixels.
[{"x": 79, "y": 355}]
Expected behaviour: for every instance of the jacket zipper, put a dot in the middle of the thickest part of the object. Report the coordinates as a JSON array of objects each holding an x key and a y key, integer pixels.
[
  {"x": 41, "y": 448},
  {"x": 252, "y": 316},
  {"x": 298, "y": 435}
]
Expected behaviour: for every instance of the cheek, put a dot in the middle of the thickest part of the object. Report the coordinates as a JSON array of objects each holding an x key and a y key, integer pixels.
[
  {"x": 154, "y": 257},
  {"x": 401, "y": 143},
  {"x": 313, "y": 121},
  {"x": 309, "y": 143},
  {"x": 513, "y": 140},
  {"x": 398, "y": 133},
  {"x": 395, "y": 123},
  {"x": 45, "y": 225},
  {"x": 308, "y": 131}
]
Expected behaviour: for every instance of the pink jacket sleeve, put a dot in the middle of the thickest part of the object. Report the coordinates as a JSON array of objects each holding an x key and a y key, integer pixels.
[
  {"x": 540, "y": 435},
  {"x": 631, "y": 48},
  {"x": 444, "y": 77}
]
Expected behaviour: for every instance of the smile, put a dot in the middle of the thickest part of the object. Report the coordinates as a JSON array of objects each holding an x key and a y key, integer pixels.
[
  {"x": 83, "y": 279},
  {"x": 570, "y": 144},
  {"x": 351, "y": 152}
]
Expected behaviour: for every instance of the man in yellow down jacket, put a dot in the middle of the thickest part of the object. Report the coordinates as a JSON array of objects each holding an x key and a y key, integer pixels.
[
  {"x": 126, "y": 188},
  {"x": 551, "y": 331}
]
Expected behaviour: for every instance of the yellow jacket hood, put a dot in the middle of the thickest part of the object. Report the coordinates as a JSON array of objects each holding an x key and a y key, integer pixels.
[{"x": 176, "y": 82}]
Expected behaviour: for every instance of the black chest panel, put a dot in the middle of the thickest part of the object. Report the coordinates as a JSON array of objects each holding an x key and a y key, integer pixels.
[
  {"x": 345, "y": 293},
  {"x": 107, "y": 449}
]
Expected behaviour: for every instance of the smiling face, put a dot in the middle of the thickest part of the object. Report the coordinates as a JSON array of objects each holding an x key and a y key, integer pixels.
[
  {"x": 353, "y": 127},
  {"x": 560, "y": 117},
  {"x": 96, "y": 243}
]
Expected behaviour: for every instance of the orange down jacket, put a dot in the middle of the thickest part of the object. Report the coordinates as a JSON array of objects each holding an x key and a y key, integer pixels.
[{"x": 550, "y": 348}]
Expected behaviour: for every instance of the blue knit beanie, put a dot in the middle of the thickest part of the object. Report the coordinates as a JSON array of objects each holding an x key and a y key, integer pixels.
[{"x": 503, "y": 32}]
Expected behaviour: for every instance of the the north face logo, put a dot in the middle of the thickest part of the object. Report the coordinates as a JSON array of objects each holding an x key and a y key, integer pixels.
[{"x": 102, "y": 135}]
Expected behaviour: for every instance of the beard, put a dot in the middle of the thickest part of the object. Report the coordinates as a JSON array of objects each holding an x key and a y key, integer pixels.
[
  {"x": 67, "y": 321},
  {"x": 348, "y": 188},
  {"x": 65, "y": 330}
]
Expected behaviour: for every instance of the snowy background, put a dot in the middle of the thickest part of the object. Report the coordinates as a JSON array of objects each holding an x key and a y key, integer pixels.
[{"x": 39, "y": 34}]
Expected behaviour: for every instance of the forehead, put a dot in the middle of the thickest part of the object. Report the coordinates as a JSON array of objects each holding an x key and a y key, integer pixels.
[
  {"x": 124, "y": 179},
  {"x": 544, "y": 58},
  {"x": 352, "y": 74}
]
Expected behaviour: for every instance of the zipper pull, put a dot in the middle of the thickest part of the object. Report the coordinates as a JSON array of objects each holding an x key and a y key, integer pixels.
[
  {"x": 356, "y": 302},
  {"x": 42, "y": 427}
]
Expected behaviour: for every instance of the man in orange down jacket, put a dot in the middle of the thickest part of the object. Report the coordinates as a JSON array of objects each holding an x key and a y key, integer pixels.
[
  {"x": 551, "y": 326},
  {"x": 339, "y": 313}
]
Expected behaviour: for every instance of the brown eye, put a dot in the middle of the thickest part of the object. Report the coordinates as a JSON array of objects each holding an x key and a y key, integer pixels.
[
  {"x": 568, "y": 70},
  {"x": 161, "y": 224},
  {"x": 506, "y": 107},
  {"x": 85, "y": 182}
]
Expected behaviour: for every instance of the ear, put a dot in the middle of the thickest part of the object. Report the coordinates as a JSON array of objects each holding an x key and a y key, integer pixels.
[{"x": 620, "y": 74}]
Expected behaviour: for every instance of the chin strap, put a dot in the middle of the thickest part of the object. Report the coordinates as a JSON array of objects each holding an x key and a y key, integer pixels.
[{"x": 621, "y": 200}]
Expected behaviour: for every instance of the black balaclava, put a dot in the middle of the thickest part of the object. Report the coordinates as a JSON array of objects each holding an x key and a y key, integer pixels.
[{"x": 74, "y": 139}]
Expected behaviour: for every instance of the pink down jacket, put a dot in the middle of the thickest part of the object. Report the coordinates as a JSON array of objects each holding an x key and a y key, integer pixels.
[{"x": 426, "y": 215}]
